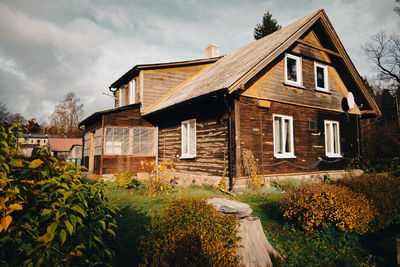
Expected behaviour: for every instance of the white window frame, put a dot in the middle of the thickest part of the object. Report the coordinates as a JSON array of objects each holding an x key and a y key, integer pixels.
[
  {"x": 282, "y": 118},
  {"x": 325, "y": 68},
  {"x": 331, "y": 144},
  {"x": 185, "y": 139},
  {"x": 298, "y": 70},
  {"x": 132, "y": 92}
]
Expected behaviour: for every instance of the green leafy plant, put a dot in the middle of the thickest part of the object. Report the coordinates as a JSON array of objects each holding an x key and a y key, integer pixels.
[
  {"x": 191, "y": 232},
  {"x": 318, "y": 206},
  {"x": 126, "y": 180},
  {"x": 50, "y": 215},
  {"x": 160, "y": 178},
  {"x": 383, "y": 190}
]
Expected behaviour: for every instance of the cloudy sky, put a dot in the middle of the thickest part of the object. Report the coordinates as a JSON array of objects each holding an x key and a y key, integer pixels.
[{"x": 51, "y": 47}]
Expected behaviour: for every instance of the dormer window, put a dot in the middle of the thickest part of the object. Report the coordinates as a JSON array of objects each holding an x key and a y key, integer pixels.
[
  {"x": 132, "y": 92},
  {"x": 292, "y": 70},
  {"x": 122, "y": 96},
  {"x": 321, "y": 77}
]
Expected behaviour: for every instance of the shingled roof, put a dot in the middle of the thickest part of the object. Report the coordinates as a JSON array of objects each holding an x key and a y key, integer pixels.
[
  {"x": 225, "y": 72},
  {"x": 234, "y": 70}
]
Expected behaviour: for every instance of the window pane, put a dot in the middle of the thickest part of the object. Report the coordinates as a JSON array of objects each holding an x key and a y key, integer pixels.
[
  {"x": 278, "y": 134},
  {"x": 320, "y": 77},
  {"x": 328, "y": 138},
  {"x": 287, "y": 136},
  {"x": 192, "y": 136},
  {"x": 335, "y": 138},
  {"x": 291, "y": 65},
  {"x": 184, "y": 138}
]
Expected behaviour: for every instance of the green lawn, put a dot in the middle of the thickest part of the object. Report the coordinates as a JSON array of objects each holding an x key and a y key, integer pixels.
[{"x": 328, "y": 247}]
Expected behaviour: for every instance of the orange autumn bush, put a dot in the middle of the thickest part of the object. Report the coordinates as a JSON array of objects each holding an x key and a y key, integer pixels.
[{"x": 322, "y": 205}]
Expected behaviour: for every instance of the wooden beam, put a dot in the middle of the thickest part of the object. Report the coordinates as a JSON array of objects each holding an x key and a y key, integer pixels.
[
  {"x": 368, "y": 112},
  {"x": 319, "y": 48}
]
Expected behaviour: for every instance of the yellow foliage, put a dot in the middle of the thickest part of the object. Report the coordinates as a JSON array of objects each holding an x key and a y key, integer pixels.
[
  {"x": 323, "y": 205},
  {"x": 35, "y": 163}
]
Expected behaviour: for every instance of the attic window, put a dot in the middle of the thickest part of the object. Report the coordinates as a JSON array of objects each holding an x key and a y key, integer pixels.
[
  {"x": 132, "y": 92},
  {"x": 321, "y": 77},
  {"x": 292, "y": 70},
  {"x": 122, "y": 96}
]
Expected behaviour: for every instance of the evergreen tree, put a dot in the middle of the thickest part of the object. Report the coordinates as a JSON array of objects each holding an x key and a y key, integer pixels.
[{"x": 268, "y": 26}]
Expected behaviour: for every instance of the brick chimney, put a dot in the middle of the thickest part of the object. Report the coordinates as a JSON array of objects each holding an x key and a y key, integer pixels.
[{"x": 212, "y": 50}]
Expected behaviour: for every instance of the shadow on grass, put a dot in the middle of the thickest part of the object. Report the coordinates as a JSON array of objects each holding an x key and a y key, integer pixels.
[{"x": 131, "y": 223}]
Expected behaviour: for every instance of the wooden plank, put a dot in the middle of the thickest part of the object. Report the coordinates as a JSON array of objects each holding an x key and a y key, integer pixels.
[{"x": 319, "y": 48}]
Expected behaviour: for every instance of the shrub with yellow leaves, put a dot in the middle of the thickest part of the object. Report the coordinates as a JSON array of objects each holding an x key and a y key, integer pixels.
[
  {"x": 161, "y": 177},
  {"x": 322, "y": 205},
  {"x": 50, "y": 215}
]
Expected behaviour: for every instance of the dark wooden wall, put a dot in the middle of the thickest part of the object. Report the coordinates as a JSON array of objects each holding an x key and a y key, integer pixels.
[
  {"x": 256, "y": 134},
  {"x": 211, "y": 137},
  {"x": 121, "y": 163}
]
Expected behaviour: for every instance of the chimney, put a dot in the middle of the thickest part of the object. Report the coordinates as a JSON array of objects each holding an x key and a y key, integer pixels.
[{"x": 212, "y": 50}]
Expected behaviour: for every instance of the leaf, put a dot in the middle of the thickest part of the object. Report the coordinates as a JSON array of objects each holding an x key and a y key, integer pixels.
[
  {"x": 103, "y": 224},
  {"x": 63, "y": 236},
  {"x": 111, "y": 232},
  {"x": 15, "y": 206},
  {"x": 79, "y": 210},
  {"x": 16, "y": 163},
  {"x": 5, "y": 222},
  {"x": 35, "y": 163},
  {"x": 69, "y": 226}
]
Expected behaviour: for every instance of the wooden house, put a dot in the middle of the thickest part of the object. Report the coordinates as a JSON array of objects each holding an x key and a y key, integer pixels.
[{"x": 287, "y": 104}]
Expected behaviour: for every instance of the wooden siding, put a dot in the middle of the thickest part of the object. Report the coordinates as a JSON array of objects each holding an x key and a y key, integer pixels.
[
  {"x": 211, "y": 137},
  {"x": 157, "y": 83},
  {"x": 125, "y": 118},
  {"x": 118, "y": 163},
  {"x": 256, "y": 134},
  {"x": 269, "y": 83}
]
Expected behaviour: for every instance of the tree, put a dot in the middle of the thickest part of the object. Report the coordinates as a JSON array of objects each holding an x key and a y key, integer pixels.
[
  {"x": 384, "y": 51},
  {"x": 7, "y": 118},
  {"x": 32, "y": 126},
  {"x": 66, "y": 116},
  {"x": 268, "y": 26}
]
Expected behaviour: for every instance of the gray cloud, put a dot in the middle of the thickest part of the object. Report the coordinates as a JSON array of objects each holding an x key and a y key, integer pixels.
[{"x": 51, "y": 48}]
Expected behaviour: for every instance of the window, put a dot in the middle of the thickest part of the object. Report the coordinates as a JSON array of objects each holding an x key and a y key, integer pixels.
[
  {"x": 38, "y": 142},
  {"x": 144, "y": 141},
  {"x": 332, "y": 139},
  {"x": 292, "y": 70},
  {"x": 283, "y": 136},
  {"x": 321, "y": 77},
  {"x": 98, "y": 136},
  {"x": 189, "y": 139},
  {"x": 116, "y": 141},
  {"x": 122, "y": 96},
  {"x": 132, "y": 92}
]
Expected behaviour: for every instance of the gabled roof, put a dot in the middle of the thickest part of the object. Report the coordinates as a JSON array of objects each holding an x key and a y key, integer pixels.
[
  {"x": 63, "y": 144},
  {"x": 97, "y": 115},
  {"x": 234, "y": 70},
  {"x": 130, "y": 74}
]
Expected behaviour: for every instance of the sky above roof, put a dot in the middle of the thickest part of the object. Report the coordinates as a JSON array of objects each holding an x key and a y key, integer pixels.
[{"x": 51, "y": 47}]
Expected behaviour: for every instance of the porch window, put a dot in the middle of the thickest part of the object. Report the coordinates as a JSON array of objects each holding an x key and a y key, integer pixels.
[
  {"x": 332, "y": 139},
  {"x": 283, "y": 136},
  {"x": 292, "y": 70},
  {"x": 116, "y": 141},
  {"x": 189, "y": 139},
  {"x": 321, "y": 77},
  {"x": 144, "y": 141},
  {"x": 98, "y": 135}
]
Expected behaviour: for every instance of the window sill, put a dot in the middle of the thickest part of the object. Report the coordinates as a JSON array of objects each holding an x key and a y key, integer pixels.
[
  {"x": 333, "y": 156},
  {"x": 323, "y": 91},
  {"x": 298, "y": 86},
  {"x": 187, "y": 157},
  {"x": 283, "y": 156}
]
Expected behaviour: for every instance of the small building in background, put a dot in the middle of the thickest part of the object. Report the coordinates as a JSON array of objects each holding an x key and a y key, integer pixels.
[
  {"x": 31, "y": 141},
  {"x": 75, "y": 155},
  {"x": 64, "y": 148}
]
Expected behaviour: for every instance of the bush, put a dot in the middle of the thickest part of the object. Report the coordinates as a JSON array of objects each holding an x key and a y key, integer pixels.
[
  {"x": 323, "y": 205},
  {"x": 126, "y": 180},
  {"x": 161, "y": 177},
  {"x": 50, "y": 215},
  {"x": 383, "y": 191},
  {"x": 191, "y": 233}
]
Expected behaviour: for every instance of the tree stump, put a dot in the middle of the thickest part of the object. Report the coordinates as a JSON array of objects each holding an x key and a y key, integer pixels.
[{"x": 254, "y": 248}]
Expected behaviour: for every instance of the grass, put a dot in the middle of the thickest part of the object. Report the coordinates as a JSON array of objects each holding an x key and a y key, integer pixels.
[{"x": 328, "y": 247}]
